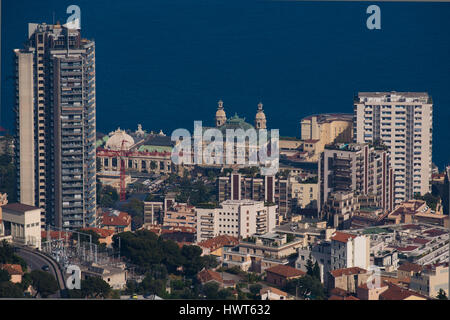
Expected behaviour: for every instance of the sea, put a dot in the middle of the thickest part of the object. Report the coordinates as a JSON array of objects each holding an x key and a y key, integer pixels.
[{"x": 166, "y": 63}]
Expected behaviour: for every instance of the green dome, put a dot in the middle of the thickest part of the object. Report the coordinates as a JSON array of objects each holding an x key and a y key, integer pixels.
[{"x": 234, "y": 123}]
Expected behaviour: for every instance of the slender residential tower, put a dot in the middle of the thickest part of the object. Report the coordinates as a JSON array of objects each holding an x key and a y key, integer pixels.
[
  {"x": 403, "y": 121},
  {"x": 55, "y": 125}
]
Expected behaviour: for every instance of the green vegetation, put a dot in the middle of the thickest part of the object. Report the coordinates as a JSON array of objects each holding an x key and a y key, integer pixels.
[
  {"x": 84, "y": 236},
  {"x": 290, "y": 237},
  {"x": 93, "y": 288},
  {"x": 4, "y": 276},
  {"x": 310, "y": 180},
  {"x": 290, "y": 138},
  {"x": 211, "y": 291},
  {"x": 10, "y": 290},
  {"x": 146, "y": 250},
  {"x": 374, "y": 230},
  {"x": 135, "y": 208},
  {"x": 442, "y": 295},
  {"x": 431, "y": 200},
  {"x": 307, "y": 287},
  {"x": 196, "y": 193},
  {"x": 44, "y": 283},
  {"x": 107, "y": 196},
  {"x": 313, "y": 270},
  {"x": 249, "y": 171},
  {"x": 8, "y": 171},
  {"x": 7, "y": 255}
]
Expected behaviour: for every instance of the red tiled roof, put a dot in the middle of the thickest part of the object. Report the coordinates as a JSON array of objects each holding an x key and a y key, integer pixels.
[
  {"x": 435, "y": 232},
  {"x": 18, "y": 207},
  {"x": 12, "y": 269},
  {"x": 396, "y": 293},
  {"x": 347, "y": 271},
  {"x": 109, "y": 219},
  {"x": 209, "y": 275},
  {"x": 57, "y": 235},
  {"x": 420, "y": 240},
  {"x": 342, "y": 237},
  {"x": 219, "y": 242},
  {"x": 274, "y": 290},
  {"x": 285, "y": 271},
  {"x": 411, "y": 226},
  {"x": 339, "y": 292},
  {"x": 408, "y": 266},
  {"x": 103, "y": 233},
  {"x": 407, "y": 248}
]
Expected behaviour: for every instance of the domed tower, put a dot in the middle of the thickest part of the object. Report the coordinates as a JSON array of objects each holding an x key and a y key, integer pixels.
[
  {"x": 221, "y": 117},
  {"x": 260, "y": 119}
]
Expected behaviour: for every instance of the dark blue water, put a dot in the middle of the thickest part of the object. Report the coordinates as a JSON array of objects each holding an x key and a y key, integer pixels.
[{"x": 166, "y": 63}]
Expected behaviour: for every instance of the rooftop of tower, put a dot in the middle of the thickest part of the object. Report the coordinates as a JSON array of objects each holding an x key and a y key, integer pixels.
[{"x": 393, "y": 96}]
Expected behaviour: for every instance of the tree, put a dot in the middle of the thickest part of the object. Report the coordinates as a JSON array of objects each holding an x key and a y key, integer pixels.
[
  {"x": 306, "y": 287},
  {"x": 4, "y": 276},
  {"x": 26, "y": 281},
  {"x": 442, "y": 295},
  {"x": 84, "y": 236},
  {"x": 209, "y": 261},
  {"x": 10, "y": 290},
  {"x": 93, "y": 287},
  {"x": 316, "y": 271},
  {"x": 7, "y": 255},
  {"x": 150, "y": 285},
  {"x": 44, "y": 283},
  {"x": 107, "y": 196},
  {"x": 430, "y": 199},
  {"x": 255, "y": 288},
  {"x": 193, "y": 262},
  {"x": 211, "y": 290},
  {"x": 290, "y": 237},
  {"x": 135, "y": 208},
  {"x": 8, "y": 171},
  {"x": 309, "y": 266}
]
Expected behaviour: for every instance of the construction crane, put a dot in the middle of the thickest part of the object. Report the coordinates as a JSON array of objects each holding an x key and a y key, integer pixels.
[
  {"x": 123, "y": 189},
  {"x": 120, "y": 155}
]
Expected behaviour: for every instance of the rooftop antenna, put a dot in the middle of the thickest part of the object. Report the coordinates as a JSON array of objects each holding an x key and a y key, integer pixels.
[{"x": 53, "y": 17}]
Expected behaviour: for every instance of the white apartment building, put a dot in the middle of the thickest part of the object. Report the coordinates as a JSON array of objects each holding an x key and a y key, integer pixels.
[
  {"x": 349, "y": 250},
  {"x": 237, "y": 218},
  {"x": 403, "y": 121}
]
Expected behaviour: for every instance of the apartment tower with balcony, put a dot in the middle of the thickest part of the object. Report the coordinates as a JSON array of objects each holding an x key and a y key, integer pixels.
[
  {"x": 363, "y": 169},
  {"x": 55, "y": 125},
  {"x": 403, "y": 121}
]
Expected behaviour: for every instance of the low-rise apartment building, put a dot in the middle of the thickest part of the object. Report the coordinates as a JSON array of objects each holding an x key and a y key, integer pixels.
[
  {"x": 431, "y": 279},
  {"x": 349, "y": 250},
  {"x": 261, "y": 252},
  {"x": 180, "y": 215},
  {"x": 281, "y": 274},
  {"x": 237, "y": 218},
  {"x": 348, "y": 279}
]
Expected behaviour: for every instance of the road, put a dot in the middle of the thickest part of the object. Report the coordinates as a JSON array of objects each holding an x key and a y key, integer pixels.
[{"x": 37, "y": 260}]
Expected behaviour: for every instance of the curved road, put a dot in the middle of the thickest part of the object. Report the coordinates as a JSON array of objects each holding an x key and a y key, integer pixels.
[{"x": 36, "y": 261}]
